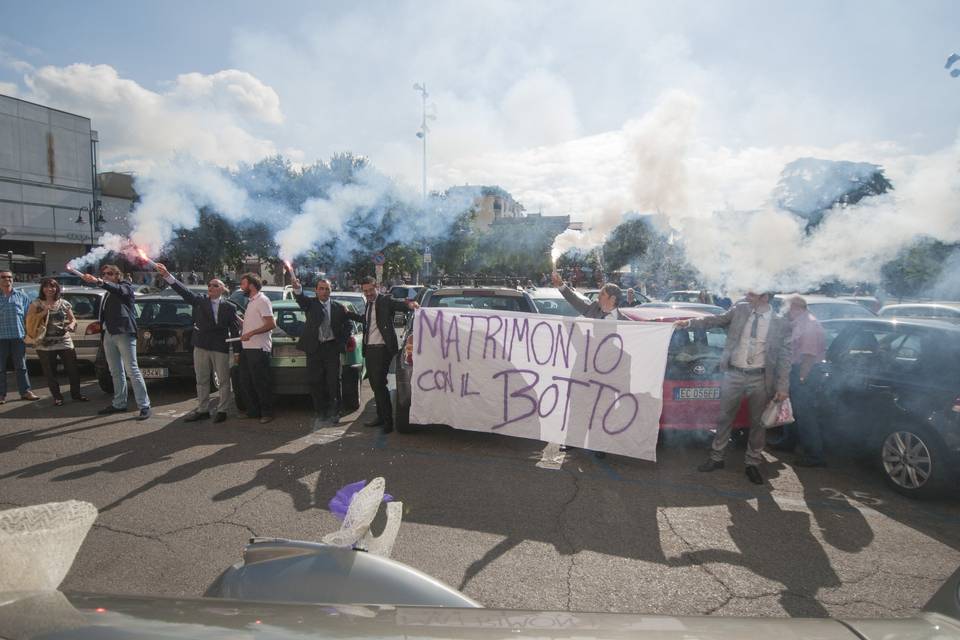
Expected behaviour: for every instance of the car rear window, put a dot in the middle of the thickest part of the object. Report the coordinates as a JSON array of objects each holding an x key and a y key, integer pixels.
[
  {"x": 555, "y": 307},
  {"x": 290, "y": 321},
  {"x": 175, "y": 313},
  {"x": 273, "y": 295},
  {"x": 830, "y": 310},
  {"x": 86, "y": 306}
]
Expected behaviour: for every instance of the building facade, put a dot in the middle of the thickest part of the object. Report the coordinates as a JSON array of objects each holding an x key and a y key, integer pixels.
[{"x": 51, "y": 205}]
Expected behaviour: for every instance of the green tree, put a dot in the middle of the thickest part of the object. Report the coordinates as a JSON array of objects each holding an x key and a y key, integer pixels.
[{"x": 916, "y": 268}]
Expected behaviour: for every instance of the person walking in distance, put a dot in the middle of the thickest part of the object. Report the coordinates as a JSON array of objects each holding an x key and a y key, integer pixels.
[
  {"x": 214, "y": 320},
  {"x": 256, "y": 379},
  {"x": 324, "y": 338},
  {"x": 118, "y": 320},
  {"x": 50, "y": 322},
  {"x": 756, "y": 364},
  {"x": 380, "y": 346},
  {"x": 13, "y": 312}
]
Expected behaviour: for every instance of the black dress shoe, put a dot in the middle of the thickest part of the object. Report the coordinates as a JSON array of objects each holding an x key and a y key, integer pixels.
[
  {"x": 221, "y": 417},
  {"x": 196, "y": 417},
  {"x": 753, "y": 473},
  {"x": 375, "y": 423},
  {"x": 710, "y": 465},
  {"x": 109, "y": 410}
]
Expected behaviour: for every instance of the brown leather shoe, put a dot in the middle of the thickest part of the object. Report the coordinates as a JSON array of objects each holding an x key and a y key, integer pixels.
[{"x": 29, "y": 395}]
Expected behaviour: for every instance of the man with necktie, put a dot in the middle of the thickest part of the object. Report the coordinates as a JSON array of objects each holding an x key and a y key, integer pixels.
[
  {"x": 214, "y": 320},
  {"x": 324, "y": 338},
  {"x": 380, "y": 345},
  {"x": 756, "y": 363}
]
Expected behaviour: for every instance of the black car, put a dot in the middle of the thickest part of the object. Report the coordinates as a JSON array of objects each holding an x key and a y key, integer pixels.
[
  {"x": 164, "y": 342},
  {"x": 891, "y": 389},
  {"x": 492, "y": 298}
]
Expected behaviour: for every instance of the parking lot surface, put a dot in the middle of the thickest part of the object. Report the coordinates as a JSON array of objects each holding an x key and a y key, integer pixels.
[{"x": 513, "y": 523}]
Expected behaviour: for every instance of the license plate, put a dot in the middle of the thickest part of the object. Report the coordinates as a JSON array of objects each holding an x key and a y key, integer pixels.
[
  {"x": 696, "y": 393},
  {"x": 155, "y": 373}
]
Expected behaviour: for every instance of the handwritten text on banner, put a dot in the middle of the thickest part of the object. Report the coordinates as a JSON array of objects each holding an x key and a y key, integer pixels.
[{"x": 595, "y": 384}]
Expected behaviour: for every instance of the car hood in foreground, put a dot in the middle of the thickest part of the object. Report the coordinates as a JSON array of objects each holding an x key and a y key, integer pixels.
[{"x": 73, "y": 615}]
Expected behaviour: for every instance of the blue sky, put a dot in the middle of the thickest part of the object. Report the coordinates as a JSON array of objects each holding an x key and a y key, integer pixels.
[{"x": 513, "y": 83}]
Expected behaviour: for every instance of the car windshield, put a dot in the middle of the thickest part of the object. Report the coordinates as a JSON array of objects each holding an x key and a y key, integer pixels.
[
  {"x": 831, "y": 310},
  {"x": 274, "y": 295},
  {"x": 175, "y": 313}
]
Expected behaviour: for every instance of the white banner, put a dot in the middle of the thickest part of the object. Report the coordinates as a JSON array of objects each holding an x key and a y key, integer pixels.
[{"x": 593, "y": 384}]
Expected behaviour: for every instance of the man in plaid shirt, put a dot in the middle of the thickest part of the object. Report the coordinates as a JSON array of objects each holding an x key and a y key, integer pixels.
[{"x": 13, "y": 311}]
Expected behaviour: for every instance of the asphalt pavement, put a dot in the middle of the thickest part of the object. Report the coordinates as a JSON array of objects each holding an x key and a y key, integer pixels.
[{"x": 513, "y": 523}]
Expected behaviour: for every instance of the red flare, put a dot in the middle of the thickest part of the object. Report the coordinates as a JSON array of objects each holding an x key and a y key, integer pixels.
[{"x": 289, "y": 266}]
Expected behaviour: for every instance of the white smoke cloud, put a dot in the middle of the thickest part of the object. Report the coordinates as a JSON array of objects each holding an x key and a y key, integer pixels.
[{"x": 215, "y": 118}]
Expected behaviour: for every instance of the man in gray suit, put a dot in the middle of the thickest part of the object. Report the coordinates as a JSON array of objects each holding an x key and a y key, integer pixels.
[
  {"x": 756, "y": 362},
  {"x": 605, "y": 306}
]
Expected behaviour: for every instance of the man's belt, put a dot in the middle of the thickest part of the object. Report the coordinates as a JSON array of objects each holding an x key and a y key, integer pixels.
[{"x": 748, "y": 372}]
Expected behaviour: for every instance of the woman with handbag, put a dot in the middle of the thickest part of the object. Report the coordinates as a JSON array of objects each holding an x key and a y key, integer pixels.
[{"x": 49, "y": 323}]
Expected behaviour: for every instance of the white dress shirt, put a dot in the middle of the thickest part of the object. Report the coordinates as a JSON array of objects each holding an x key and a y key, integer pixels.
[{"x": 750, "y": 352}]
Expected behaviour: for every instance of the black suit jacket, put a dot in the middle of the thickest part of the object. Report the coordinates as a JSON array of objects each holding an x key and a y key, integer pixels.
[
  {"x": 385, "y": 307},
  {"x": 339, "y": 323},
  {"x": 208, "y": 332},
  {"x": 116, "y": 311}
]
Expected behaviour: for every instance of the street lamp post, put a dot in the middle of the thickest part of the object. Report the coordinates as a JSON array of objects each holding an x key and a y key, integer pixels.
[
  {"x": 95, "y": 215},
  {"x": 424, "y": 129}
]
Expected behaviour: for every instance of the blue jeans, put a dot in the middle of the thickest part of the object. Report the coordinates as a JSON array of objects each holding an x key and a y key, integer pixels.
[
  {"x": 17, "y": 350},
  {"x": 121, "y": 353}
]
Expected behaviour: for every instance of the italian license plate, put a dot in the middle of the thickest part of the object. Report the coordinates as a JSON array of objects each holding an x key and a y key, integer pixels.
[
  {"x": 158, "y": 372},
  {"x": 696, "y": 393}
]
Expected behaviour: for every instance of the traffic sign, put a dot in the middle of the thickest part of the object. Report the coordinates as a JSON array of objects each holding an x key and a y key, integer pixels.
[{"x": 379, "y": 258}]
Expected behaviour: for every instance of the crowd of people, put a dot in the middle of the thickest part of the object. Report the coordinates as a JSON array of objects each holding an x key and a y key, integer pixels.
[{"x": 766, "y": 358}]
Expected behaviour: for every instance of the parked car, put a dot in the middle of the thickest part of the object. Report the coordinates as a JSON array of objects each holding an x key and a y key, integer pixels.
[
  {"x": 289, "y": 364},
  {"x": 824, "y": 307},
  {"x": 353, "y": 297},
  {"x": 948, "y": 311},
  {"x": 406, "y": 291},
  {"x": 892, "y": 391},
  {"x": 493, "y": 298},
  {"x": 691, "y": 381},
  {"x": 702, "y": 297},
  {"x": 164, "y": 345},
  {"x": 639, "y": 298},
  {"x": 870, "y": 303},
  {"x": 275, "y": 294},
  {"x": 86, "y": 309}
]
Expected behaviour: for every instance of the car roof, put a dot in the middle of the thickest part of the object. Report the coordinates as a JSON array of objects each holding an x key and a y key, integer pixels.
[
  {"x": 544, "y": 292},
  {"x": 927, "y": 323},
  {"x": 477, "y": 291},
  {"x": 82, "y": 289},
  {"x": 922, "y": 305},
  {"x": 710, "y": 309},
  {"x": 285, "y": 304},
  {"x": 155, "y": 297},
  {"x": 813, "y": 298}
]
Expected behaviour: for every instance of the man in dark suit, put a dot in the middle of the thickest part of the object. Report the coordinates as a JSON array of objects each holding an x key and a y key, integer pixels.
[
  {"x": 324, "y": 338},
  {"x": 119, "y": 323},
  {"x": 380, "y": 346},
  {"x": 214, "y": 320},
  {"x": 756, "y": 362}
]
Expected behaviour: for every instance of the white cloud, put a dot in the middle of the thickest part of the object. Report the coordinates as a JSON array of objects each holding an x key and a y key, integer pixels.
[
  {"x": 219, "y": 118},
  {"x": 9, "y": 89}
]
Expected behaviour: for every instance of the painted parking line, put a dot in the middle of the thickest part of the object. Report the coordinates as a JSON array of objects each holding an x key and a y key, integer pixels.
[{"x": 326, "y": 435}]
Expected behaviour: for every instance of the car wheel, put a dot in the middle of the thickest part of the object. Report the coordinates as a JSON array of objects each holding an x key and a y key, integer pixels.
[
  {"x": 349, "y": 389},
  {"x": 104, "y": 380},
  {"x": 913, "y": 460}
]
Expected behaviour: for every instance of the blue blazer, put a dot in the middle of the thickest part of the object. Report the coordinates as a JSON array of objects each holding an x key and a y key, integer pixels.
[{"x": 116, "y": 311}]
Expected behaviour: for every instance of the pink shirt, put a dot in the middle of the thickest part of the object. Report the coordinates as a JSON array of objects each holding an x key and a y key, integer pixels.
[{"x": 808, "y": 338}]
